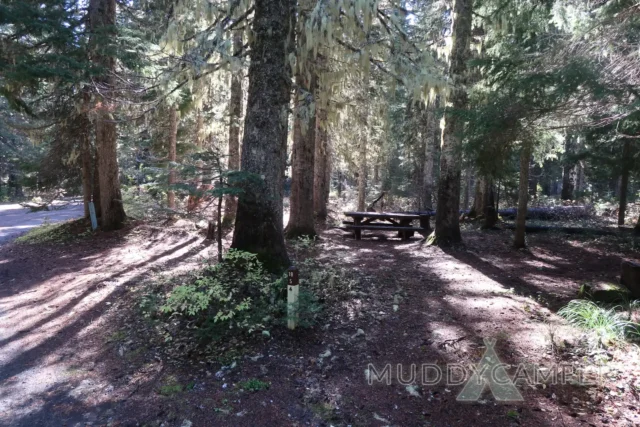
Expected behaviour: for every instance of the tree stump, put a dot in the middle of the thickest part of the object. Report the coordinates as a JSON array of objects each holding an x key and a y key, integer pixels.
[{"x": 630, "y": 277}]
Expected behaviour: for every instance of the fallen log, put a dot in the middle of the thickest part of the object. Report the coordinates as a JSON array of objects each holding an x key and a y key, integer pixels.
[
  {"x": 568, "y": 230},
  {"x": 551, "y": 213},
  {"x": 35, "y": 207}
]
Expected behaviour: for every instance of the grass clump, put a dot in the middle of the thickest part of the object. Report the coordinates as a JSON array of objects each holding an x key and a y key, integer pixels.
[
  {"x": 171, "y": 387},
  {"x": 603, "y": 326},
  {"x": 254, "y": 385},
  {"x": 56, "y": 233}
]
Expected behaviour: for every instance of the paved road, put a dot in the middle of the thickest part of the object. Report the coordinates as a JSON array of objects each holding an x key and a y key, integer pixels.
[{"x": 16, "y": 220}]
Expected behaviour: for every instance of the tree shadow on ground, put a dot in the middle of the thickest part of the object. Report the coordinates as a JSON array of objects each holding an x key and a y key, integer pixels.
[
  {"x": 432, "y": 325},
  {"x": 41, "y": 353}
]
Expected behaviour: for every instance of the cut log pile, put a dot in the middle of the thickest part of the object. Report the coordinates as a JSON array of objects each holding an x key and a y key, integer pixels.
[{"x": 550, "y": 213}]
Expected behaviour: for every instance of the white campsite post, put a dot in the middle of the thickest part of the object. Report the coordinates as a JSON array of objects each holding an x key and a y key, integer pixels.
[
  {"x": 92, "y": 215},
  {"x": 292, "y": 298}
]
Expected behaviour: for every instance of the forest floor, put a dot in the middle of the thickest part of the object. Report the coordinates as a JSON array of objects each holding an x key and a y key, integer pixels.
[{"x": 75, "y": 349}]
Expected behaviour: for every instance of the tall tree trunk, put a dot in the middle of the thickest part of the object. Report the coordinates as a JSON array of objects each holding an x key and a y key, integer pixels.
[
  {"x": 173, "y": 136},
  {"x": 86, "y": 165},
  {"x": 569, "y": 169},
  {"x": 362, "y": 173},
  {"x": 235, "y": 115},
  {"x": 580, "y": 178},
  {"x": 258, "y": 227},
  {"x": 534, "y": 178},
  {"x": 84, "y": 129},
  {"x": 102, "y": 22},
  {"x": 96, "y": 185},
  {"x": 478, "y": 198},
  {"x": 624, "y": 180},
  {"x": 362, "y": 148},
  {"x": 523, "y": 196},
  {"x": 488, "y": 206},
  {"x": 376, "y": 171},
  {"x": 301, "y": 211},
  {"x": 636, "y": 229},
  {"x": 467, "y": 188},
  {"x": 447, "y": 230},
  {"x": 322, "y": 167},
  {"x": 200, "y": 129},
  {"x": 432, "y": 145}
]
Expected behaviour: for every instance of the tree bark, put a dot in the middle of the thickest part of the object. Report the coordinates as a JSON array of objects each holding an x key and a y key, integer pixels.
[
  {"x": 235, "y": 115},
  {"x": 624, "y": 180},
  {"x": 447, "y": 230},
  {"x": 200, "y": 129},
  {"x": 258, "y": 226},
  {"x": 362, "y": 148},
  {"x": 102, "y": 22},
  {"x": 432, "y": 145},
  {"x": 478, "y": 198},
  {"x": 301, "y": 213},
  {"x": 85, "y": 150},
  {"x": 467, "y": 189},
  {"x": 523, "y": 196},
  {"x": 322, "y": 167},
  {"x": 362, "y": 173},
  {"x": 488, "y": 206},
  {"x": 534, "y": 178},
  {"x": 173, "y": 136},
  {"x": 569, "y": 170},
  {"x": 96, "y": 186}
]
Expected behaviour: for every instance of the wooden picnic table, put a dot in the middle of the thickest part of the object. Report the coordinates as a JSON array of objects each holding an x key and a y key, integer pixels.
[{"x": 387, "y": 221}]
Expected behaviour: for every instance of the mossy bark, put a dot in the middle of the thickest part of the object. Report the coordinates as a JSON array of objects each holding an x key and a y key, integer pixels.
[
  {"x": 85, "y": 147},
  {"x": 173, "y": 136},
  {"x": 322, "y": 166},
  {"x": 432, "y": 149},
  {"x": 235, "y": 114},
  {"x": 362, "y": 148},
  {"x": 258, "y": 226},
  {"x": 447, "y": 230},
  {"x": 301, "y": 213},
  {"x": 102, "y": 22}
]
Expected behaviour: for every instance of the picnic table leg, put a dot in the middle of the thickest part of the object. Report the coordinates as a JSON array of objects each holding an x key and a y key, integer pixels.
[
  {"x": 356, "y": 231},
  {"x": 424, "y": 223},
  {"x": 405, "y": 234}
]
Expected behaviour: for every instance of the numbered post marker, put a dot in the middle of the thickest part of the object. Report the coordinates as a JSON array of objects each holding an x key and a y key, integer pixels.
[{"x": 293, "y": 289}]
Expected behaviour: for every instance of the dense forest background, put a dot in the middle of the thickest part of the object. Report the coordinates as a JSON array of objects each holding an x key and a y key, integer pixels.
[{"x": 171, "y": 107}]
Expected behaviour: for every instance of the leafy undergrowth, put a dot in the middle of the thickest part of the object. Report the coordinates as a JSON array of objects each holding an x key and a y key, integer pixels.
[
  {"x": 57, "y": 233},
  {"x": 217, "y": 311}
]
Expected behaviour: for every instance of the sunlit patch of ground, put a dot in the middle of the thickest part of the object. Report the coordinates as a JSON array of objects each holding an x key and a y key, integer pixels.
[{"x": 63, "y": 300}]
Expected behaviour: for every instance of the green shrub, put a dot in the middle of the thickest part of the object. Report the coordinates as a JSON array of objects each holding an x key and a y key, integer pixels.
[
  {"x": 238, "y": 295},
  {"x": 604, "y": 326},
  {"x": 232, "y": 294}
]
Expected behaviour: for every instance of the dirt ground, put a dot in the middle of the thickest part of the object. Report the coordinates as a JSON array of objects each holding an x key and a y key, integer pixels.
[{"x": 75, "y": 349}]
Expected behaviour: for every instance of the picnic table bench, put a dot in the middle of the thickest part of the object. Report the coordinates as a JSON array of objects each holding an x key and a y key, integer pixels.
[{"x": 388, "y": 221}]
